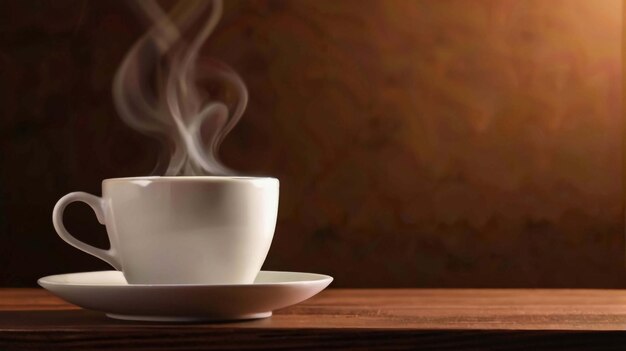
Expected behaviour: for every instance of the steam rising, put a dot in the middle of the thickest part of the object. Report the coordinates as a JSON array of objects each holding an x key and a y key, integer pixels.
[{"x": 161, "y": 91}]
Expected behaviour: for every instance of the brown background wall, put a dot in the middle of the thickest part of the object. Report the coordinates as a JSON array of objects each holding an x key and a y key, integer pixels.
[{"x": 418, "y": 143}]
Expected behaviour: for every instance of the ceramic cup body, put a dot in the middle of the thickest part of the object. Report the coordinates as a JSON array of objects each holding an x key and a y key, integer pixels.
[{"x": 183, "y": 230}]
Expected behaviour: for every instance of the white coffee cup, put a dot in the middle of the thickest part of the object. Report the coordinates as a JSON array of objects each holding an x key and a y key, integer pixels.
[{"x": 182, "y": 230}]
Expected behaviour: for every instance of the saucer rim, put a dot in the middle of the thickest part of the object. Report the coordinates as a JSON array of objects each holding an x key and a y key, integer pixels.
[{"x": 315, "y": 279}]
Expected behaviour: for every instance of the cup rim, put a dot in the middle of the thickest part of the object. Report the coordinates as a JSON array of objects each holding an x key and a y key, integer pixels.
[{"x": 188, "y": 178}]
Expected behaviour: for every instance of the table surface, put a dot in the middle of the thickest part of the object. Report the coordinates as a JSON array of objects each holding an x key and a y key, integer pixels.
[{"x": 339, "y": 318}]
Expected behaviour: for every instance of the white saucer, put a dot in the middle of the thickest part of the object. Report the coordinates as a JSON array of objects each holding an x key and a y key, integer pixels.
[{"x": 108, "y": 291}]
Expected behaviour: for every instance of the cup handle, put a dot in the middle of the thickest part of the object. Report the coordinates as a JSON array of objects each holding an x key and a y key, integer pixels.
[{"x": 98, "y": 205}]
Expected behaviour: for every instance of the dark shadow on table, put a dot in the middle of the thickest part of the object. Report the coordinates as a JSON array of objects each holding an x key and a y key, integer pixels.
[
  {"x": 83, "y": 319},
  {"x": 83, "y": 329}
]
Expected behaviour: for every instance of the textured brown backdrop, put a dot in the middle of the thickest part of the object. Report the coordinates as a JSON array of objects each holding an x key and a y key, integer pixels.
[{"x": 418, "y": 143}]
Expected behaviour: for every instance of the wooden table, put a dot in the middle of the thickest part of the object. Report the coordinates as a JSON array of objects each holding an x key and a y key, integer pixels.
[{"x": 339, "y": 318}]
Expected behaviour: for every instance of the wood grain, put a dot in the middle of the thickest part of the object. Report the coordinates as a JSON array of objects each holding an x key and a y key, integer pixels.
[{"x": 340, "y": 318}]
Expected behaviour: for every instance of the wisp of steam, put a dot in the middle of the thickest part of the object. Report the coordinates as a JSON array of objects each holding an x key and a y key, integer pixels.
[{"x": 161, "y": 90}]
